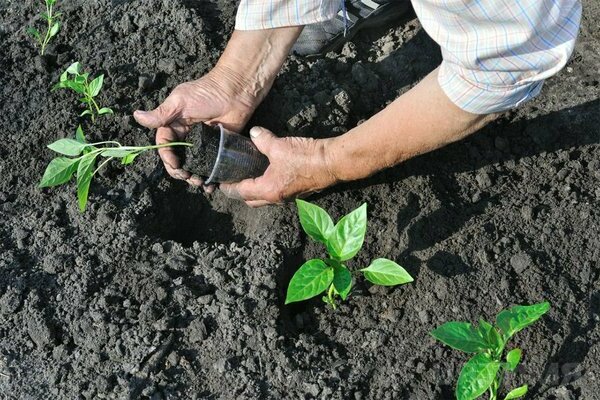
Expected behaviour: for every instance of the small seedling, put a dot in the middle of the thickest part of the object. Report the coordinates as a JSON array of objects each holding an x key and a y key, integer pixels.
[
  {"x": 343, "y": 241},
  {"x": 82, "y": 161},
  {"x": 52, "y": 29},
  {"x": 81, "y": 84},
  {"x": 485, "y": 370}
]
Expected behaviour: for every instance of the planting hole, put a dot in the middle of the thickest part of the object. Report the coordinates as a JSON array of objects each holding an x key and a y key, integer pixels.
[{"x": 186, "y": 217}]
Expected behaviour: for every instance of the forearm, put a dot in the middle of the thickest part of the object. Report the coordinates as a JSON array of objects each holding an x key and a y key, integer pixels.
[
  {"x": 252, "y": 59},
  {"x": 421, "y": 120}
]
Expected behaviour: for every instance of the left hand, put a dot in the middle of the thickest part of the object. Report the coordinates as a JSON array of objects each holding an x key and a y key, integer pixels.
[{"x": 298, "y": 167}]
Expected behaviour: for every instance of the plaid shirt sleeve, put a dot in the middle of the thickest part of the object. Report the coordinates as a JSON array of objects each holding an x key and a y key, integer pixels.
[
  {"x": 268, "y": 14},
  {"x": 496, "y": 53}
]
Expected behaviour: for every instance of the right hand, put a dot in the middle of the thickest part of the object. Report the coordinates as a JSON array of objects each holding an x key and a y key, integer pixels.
[{"x": 217, "y": 97}]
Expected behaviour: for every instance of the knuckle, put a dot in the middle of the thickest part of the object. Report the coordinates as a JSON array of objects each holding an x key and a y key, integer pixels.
[
  {"x": 165, "y": 108},
  {"x": 179, "y": 89},
  {"x": 278, "y": 196}
]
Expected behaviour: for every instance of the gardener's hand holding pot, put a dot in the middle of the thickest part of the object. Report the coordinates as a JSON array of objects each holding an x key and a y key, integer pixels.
[
  {"x": 298, "y": 166},
  {"x": 228, "y": 94},
  {"x": 419, "y": 121}
]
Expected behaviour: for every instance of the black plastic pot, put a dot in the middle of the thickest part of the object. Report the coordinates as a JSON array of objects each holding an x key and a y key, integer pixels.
[{"x": 223, "y": 156}]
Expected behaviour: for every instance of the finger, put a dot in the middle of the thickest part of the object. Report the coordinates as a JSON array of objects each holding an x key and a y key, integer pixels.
[
  {"x": 257, "y": 203},
  {"x": 248, "y": 190},
  {"x": 230, "y": 191},
  {"x": 263, "y": 139},
  {"x": 209, "y": 188},
  {"x": 163, "y": 115},
  {"x": 195, "y": 180},
  {"x": 169, "y": 155},
  {"x": 180, "y": 130}
]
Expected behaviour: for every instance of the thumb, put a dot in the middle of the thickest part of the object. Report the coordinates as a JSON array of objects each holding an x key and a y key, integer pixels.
[
  {"x": 162, "y": 115},
  {"x": 262, "y": 139}
]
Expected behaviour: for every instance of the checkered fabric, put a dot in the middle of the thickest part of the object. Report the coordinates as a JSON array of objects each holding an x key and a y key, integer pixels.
[{"x": 496, "y": 53}]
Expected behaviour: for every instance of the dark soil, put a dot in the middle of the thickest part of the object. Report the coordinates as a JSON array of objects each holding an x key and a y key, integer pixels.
[
  {"x": 161, "y": 292},
  {"x": 201, "y": 158}
]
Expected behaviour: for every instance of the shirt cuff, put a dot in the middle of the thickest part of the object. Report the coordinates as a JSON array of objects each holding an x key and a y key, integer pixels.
[
  {"x": 269, "y": 14},
  {"x": 481, "y": 98}
]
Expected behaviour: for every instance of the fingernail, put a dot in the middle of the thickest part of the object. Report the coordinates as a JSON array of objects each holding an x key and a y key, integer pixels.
[{"x": 256, "y": 131}]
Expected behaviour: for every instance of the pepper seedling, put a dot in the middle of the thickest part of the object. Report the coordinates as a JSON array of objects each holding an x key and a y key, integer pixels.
[
  {"x": 343, "y": 241},
  {"x": 81, "y": 84},
  {"x": 486, "y": 369},
  {"x": 52, "y": 29},
  {"x": 82, "y": 161}
]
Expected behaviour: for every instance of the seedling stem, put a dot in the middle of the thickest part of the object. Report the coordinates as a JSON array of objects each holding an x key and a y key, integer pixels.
[
  {"x": 343, "y": 241},
  {"x": 485, "y": 371},
  {"x": 82, "y": 159},
  {"x": 81, "y": 84},
  {"x": 51, "y": 30}
]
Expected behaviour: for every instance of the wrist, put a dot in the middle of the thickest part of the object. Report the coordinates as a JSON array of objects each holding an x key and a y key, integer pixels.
[
  {"x": 336, "y": 161},
  {"x": 325, "y": 163},
  {"x": 349, "y": 158},
  {"x": 252, "y": 60}
]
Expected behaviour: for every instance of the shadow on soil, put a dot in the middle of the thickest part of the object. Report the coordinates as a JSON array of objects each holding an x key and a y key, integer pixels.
[
  {"x": 186, "y": 217},
  {"x": 564, "y": 367},
  {"x": 558, "y": 130}
]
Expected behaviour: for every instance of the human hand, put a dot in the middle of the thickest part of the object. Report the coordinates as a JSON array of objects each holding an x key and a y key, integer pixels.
[
  {"x": 218, "y": 97},
  {"x": 298, "y": 167}
]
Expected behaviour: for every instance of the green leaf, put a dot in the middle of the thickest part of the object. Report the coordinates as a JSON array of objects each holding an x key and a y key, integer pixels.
[
  {"x": 86, "y": 112},
  {"x": 128, "y": 159},
  {"x": 96, "y": 85},
  {"x": 313, "y": 277},
  {"x": 79, "y": 135},
  {"x": 516, "y": 393},
  {"x": 315, "y": 221},
  {"x": 77, "y": 87},
  {"x": 116, "y": 152},
  {"x": 460, "y": 336},
  {"x": 64, "y": 77},
  {"x": 68, "y": 147},
  {"x": 50, "y": 2},
  {"x": 517, "y": 318},
  {"x": 59, "y": 85},
  {"x": 386, "y": 273},
  {"x": 54, "y": 29},
  {"x": 85, "y": 173},
  {"x": 34, "y": 32},
  {"x": 105, "y": 110},
  {"x": 476, "y": 377},
  {"x": 513, "y": 358},
  {"x": 59, "y": 171},
  {"x": 348, "y": 235},
  {"x": 74, "y": 68},
  {"x": 490, "y": 334},
  {"x": 342, "y": 280}
]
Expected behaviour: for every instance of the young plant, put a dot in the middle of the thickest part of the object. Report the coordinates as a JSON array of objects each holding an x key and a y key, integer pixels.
[
  {"x": 52, "y": 29},
  {"x": 81, "y": 161},
  {"x": 77, "y": 80},
  {"x": 486, "y": 369},
  {"x": 343, "y": 241}
]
